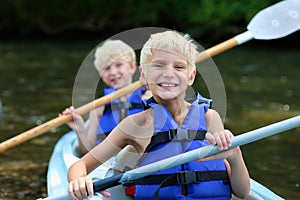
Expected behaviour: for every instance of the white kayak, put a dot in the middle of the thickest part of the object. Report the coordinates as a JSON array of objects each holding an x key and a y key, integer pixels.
[{"x": 64, "y": 155}]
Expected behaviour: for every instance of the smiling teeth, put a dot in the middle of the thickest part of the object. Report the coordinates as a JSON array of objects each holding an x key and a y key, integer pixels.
[{"x": 167, "y": 85}]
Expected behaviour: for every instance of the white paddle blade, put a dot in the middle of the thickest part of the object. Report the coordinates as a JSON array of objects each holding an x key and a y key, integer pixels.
[{"x": 276, "y": 21}]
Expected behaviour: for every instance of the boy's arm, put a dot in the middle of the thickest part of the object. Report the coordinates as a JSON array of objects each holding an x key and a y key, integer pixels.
[
  {"x": 77, "y": 179},
  {"x": 215, "y": 130},
  {"x": 238, "y": 173},
  {"x": 81, "y": 186},
  {"x": 91, "y": 136},
  {"x": 77, "y": 124},
  {"x": 237, "y": 170},
  {"x": 132, "y": 130}
]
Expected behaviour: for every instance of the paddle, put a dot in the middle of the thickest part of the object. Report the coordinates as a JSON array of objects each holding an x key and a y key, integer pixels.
[
  {"x": 239, "y": 140},
  {"x": 261, "y": 27},
  {"x": 274, "y": 22},
  {"x": 65, "y": 118}
]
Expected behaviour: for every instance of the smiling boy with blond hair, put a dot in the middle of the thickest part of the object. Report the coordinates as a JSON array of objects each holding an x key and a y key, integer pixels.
[{"x": 170, "y": 125}]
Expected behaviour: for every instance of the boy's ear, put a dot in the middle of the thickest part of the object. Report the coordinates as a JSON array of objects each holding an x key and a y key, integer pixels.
[
  {"x": 133, "y": 65},
  {"x": 142, "y": 75},
  {"x": 192, "y": 77}
]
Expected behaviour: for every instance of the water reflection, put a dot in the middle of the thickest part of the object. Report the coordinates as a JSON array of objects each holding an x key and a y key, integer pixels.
[
  {"x": 35, "y": 84},
  {"x": 261, "y": 85},
  {"x": 36, "y": 80}
]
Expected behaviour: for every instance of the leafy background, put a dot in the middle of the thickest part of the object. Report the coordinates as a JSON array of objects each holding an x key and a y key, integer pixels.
[{"x": 210, "y": 19}]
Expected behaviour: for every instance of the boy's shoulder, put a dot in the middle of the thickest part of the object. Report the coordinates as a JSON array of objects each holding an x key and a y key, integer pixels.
[
  {"x": 141, "y": 119},
  {"x": 140, "y": 124}
]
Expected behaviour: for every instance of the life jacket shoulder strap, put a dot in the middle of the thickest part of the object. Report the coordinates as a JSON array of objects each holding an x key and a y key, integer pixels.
[
  {"x": 195, "y": 97},
  {"x": 200, "y": 99},
  {"x": 122, "y": 105},
  {"x": 177, "y": 134}
]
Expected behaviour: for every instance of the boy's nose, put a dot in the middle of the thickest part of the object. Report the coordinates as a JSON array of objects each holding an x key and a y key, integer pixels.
[
  {"x": 113, "y": 70},
  {"x": 169, "y": 71}
]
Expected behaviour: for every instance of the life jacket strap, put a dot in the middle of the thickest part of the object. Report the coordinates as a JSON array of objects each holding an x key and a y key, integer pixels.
[
  {"x": 183, "y": 177},
  {"x": 122, "y": 105},
  {"x": 197, "y": 96},
  {"x": 177, "y": 134}
]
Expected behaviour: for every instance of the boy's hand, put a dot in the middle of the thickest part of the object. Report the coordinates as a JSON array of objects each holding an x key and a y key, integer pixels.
[
  {"x": 222, "y": 139},
  {"x": 82, "y": 188},
  {"x": 96, "y": 113},
  {"x": 77, "y": 123},
  {"x": 230, "y": 155}
]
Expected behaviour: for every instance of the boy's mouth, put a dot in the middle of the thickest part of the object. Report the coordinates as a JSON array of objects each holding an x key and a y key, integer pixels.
[
  {"x": 114, "y": 80},
  {"x": 167, "y": 85}
]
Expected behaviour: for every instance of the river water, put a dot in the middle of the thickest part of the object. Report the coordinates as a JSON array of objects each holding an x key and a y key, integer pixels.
[{"x": 36, "y": 83}]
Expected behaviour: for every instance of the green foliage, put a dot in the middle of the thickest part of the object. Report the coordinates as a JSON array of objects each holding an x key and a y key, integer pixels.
[
  {"x": 220, "y": 17},
  {"x": 212, "y": 18}
]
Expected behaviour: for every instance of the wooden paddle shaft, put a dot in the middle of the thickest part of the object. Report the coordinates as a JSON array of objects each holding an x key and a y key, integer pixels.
[
  {"x": 228, "y": 44},
  {"x": 38, "y": 130}
]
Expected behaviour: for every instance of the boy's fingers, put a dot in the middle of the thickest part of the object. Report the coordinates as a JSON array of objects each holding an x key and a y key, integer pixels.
[
  {"x": 71, "y": 191},
  {"x": 210, "y": 138},
  {"x": 89, "y": 187},
  {"x": 105, "y": 194},
  {"x": 223, "y": 144},
  {"x": 228, "y": 137},
  {"x": 218, "y": 141},
  {"x": 222, "y": 139},
  {"x": 212, "y": 157},
  {"x": 76, "y": 192},
  {"x": 82, "y": 188}
]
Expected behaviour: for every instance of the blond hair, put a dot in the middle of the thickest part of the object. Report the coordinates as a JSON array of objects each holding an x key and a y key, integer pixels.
[
  {"x": 111, "y": 50},
  {"x": 170, "y": 41}
]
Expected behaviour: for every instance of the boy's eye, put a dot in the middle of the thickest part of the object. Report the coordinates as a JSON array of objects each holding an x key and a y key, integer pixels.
[
  {"x": 107, "y": 68},
  {"x": 180, "y": 67},
  {"x": 119, "y": 65},
  {"x": 158, "y": 65}
]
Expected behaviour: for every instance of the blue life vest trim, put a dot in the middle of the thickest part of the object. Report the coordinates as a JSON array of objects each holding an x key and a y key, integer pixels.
[{"x": 111, "y": 115}]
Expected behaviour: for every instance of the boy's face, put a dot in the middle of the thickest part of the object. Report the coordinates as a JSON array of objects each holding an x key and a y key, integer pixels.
[
  {"x": 118, "y": 74},
  {"x": 168, "y": 75}
]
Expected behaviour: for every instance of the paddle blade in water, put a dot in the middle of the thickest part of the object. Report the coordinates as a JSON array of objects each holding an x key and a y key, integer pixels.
[{"x": 276, "y": 21}]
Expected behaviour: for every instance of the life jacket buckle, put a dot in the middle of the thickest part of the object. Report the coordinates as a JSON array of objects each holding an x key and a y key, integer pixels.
[
  {"x": 124, "y": 105},
  {"x": 182, "y": 134},
  {"x": 186, "y": 177}
]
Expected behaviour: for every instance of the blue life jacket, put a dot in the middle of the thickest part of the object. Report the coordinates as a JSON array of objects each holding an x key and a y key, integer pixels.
[
  {"x": 111, "y": 115},
  {"x": 202, "y": 180}
]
